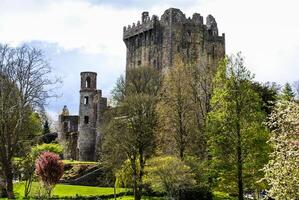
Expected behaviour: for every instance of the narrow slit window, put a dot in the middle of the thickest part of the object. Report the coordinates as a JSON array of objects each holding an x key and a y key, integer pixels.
[
  {"x": 86, "y": 100},
  {"x": 86, "y": 119},
  {"x": 87, "y": 82}
]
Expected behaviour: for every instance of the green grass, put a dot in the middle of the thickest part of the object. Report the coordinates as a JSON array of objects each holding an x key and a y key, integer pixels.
[
  {"x": 143, "y": 198},
  {"x": 70, "y": 190},
  {"x": 222, "y": 196}
]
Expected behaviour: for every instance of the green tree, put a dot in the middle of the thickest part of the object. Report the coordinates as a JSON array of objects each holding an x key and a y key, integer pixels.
[
  {"x": 169, "y": 174},
  {"x": 24, "y": 86},
  {"x": 28, "y": 162},
  {"x": 174, "y": 111},
  {"x": 235, "y": 125},
  {"x": 268, "y": 93},
  {"x": 32, "y": 129},
  {"x": 134, "y": 120},
  {"x": 287, "y": 93},
  {"x": 282, "y": 170},
  {"x": 46, "y": 127}
]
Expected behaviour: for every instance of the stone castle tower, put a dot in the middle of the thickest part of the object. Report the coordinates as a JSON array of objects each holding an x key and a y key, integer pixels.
[
  {"x": 80, "y": 134},
  {"x": 91, "y": 105},
  {"x": 156, "y": 42}
]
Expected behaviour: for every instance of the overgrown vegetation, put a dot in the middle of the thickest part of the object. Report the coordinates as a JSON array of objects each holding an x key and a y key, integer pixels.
[{"x": 192, "y": 132}]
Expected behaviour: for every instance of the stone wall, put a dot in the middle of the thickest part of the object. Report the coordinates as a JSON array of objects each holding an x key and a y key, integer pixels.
[
  {"x": 156, "y": 42},
  {"x": 68, "y": 135}
]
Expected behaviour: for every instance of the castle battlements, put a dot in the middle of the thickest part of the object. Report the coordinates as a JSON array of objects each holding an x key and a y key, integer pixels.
[
  {"x": 170, "y": 16},
  {"x": 156, "y": 41},
  {"x": 146, "y": 24}
]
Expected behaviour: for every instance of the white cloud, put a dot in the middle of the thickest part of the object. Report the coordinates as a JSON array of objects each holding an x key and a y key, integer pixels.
[{"x": 265, "y": 31}]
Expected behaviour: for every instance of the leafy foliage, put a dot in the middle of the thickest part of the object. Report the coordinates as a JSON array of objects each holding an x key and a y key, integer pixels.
[
  {"x": 282, "y": 170},
  {"x": 268, "y": 93},
  {"x": 134, "y": 119},
  {"x": 25, "y": 86},
  {"x": 237, "y": 137},
  {"x": 49, "y": 169},
  {"x": 38, "y": 149},
  {"x": 174, "y": 111},
  {"x": 168, "y": 174},
  {"x": 287, "y": 93},
  {"x": 46, "y": 127},
  {"x": 28, "y": 163}
]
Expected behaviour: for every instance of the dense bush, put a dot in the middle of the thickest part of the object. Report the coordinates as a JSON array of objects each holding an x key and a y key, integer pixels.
[
  {"x": 168, "y": 174},
  {"x": 195, "y": 193},
  {"x": 49, "y": 169}
]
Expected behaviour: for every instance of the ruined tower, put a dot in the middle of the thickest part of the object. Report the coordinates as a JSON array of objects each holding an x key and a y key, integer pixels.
[
  {"x": 90, "y": 111},
  {"x": 68, "y": 134},
  {"x": 156, "y": 42}
]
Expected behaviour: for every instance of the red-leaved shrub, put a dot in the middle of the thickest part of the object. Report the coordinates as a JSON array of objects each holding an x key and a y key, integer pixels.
[{"x": 49, "y": 169}]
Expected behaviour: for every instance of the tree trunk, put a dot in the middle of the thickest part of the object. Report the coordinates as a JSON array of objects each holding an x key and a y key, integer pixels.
[
  {"x": 142, "y": 163},
  {"x": 9, "y": 181},
  {"x": 135, "y": 184},
  {"x": 114, "y": 191},
  {"x": 239, "y": 164}
]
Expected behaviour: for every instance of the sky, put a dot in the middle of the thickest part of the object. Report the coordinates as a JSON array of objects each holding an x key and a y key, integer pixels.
[{"x": 86, "y": 35}]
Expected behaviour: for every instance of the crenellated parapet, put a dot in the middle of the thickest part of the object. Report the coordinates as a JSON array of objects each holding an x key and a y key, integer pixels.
[
  {"x": 146, "y": 24},
  {"x": 171, "y": 16},
  {"x": 156, "y": 41}
]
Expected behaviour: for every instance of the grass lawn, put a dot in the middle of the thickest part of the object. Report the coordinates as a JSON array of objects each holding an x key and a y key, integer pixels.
[
  {"x": 70, "y": 190},
  {"x": 222, "y": 196},
  {"x": 143, "y": 198}
]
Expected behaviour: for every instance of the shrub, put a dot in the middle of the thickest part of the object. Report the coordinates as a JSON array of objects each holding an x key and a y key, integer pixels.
[
  {"x": 49, "y": 169},
  {"x": 195, "y": 193},
  {"x": 38, "y": 149},
  {"x": 168, "y": 174}
]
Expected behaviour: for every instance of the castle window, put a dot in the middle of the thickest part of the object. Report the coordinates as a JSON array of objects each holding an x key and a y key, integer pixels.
[
  {"x": 87, "y": 82},
  {"x": 139, "y": 62},
  {"x": 86, "y": 119},
  {"x": 85, "y": 100}
]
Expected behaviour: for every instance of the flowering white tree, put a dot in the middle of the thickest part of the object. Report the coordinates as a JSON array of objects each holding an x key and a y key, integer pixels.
[{"x": 282, "y": 170}]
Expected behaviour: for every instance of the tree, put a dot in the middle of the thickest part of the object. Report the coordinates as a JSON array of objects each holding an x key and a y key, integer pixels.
[
  {"x": 46, "y": 128},
  {"x": 235, "y": 125},
  {"x": 133, "y": 124},
  {"x": 49, "y": 169},
  {"x": 174, "y": 111},
  {"x": 28, "y": 163},
  {"x": 24, "y": 86},
  {"x": 287, "y": 93},
  {"x": 268, "y": 93},
  {"x": 168, "y": 174},
  {"x": 282, "y": 171}
]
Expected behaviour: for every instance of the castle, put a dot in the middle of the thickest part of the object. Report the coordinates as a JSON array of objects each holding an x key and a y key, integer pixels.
[
  {"x": 80, "y": 135},
  {"x": 152, "y": 42},
  {"x": 155, "y": 42}
]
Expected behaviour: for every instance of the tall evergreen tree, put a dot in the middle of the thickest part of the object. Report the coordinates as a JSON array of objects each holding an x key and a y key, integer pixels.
[
  {"x": 287, "y": 93},
  {"x": 46, "y": 128},
  {"x": 237, "y": 138}
]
